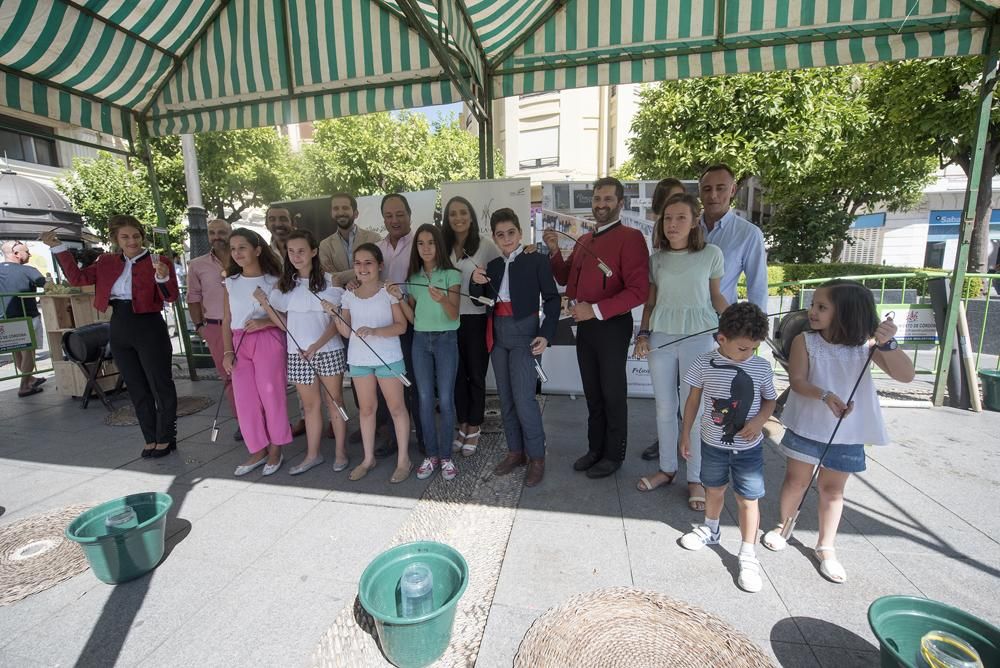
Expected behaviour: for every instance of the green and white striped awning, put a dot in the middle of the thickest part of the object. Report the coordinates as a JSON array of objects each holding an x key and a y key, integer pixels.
[{"x": 195, "y": 65}]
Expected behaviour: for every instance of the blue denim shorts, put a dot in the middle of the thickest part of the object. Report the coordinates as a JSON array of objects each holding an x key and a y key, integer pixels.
[
  {"x": 746, "y": 466},
  {"x": 843, "y": 457},
  {"x": 380, "y": 371}
]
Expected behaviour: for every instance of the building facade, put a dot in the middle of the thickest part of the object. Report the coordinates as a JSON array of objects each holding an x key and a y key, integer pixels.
[{"x": 926, "y": 235}]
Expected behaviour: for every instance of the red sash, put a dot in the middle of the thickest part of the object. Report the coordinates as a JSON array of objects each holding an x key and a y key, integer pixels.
[{"x": 502, "y": 310}]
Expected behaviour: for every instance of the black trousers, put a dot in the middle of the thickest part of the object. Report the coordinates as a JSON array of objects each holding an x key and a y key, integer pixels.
[
  {"x": 601, "y": 347},
  {"x": 142, "y": 351},
  {"x": 473, "y": 362}
]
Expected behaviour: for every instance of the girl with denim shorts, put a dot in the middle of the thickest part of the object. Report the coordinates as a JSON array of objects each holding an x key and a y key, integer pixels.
[
  {"x": 376, "y": 318},
  {"x": 825, "y": 363},
  {"x": 433, "y": 307}
]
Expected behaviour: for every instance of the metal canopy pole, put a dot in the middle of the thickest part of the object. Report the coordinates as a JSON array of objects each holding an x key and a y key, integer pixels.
[
  {"x": 986, "y": 86},
  {"x": 197, "y": 216},
  {"x": 161, "y": 215},
  {"x": 486, "y": 168}
]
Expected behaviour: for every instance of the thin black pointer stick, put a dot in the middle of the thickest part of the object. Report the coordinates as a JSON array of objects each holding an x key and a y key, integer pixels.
[
  {"x": 222, "y": 394},
  {"x": 284, "y": 327},
  {"x": 601, "y": 264},
  {"x": 332, "y": 311},
  {"x": 789, "y": 523},
  {"x": 542, "y": 376},
  {"x": 708, "y": 331},
  {"x": 485, "y": 301}
]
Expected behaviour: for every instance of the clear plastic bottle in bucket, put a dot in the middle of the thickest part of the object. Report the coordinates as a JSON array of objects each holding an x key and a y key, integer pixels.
[
  {"x": 122, "y": 520},
  {"x": 939, "y": 649},
  {"x": 416, "y": 588}
]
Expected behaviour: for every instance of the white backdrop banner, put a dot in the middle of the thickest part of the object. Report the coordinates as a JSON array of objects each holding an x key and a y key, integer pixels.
[
  {"x": 488, "y": 196},
  {"x": 422, "y": 205}
]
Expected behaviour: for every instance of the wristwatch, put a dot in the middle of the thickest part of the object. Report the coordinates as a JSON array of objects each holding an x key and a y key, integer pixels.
[
  {"x": 826, "y": 395},
  {"x": 888, "y": 346},
  {"x": 199, "y": 325}
]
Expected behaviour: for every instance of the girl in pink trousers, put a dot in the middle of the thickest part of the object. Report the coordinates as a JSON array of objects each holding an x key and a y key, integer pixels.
[{"x": 255, "y": 352}]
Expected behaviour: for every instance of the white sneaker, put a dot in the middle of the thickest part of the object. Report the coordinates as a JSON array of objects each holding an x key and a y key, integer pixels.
[
  {"x": 448, "y": 469},
  {"x": 699, "y": 538},
  {"x": 749, "y": 578},
  {"x": 426, "y": 469}
]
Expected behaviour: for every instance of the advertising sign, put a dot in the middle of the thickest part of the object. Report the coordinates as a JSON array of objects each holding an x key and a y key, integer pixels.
[
  {"x": 914, "y": 322},
  {"x": 16, "y": 334}
]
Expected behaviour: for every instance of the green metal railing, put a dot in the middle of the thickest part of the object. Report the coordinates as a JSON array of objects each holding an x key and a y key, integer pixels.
[
  {"x": 5, "y": 298},
  {"x": 879, "y": 284}
]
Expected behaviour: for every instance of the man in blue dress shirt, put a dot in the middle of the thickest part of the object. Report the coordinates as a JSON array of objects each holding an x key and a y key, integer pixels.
[{"x": 741, "y": 241}]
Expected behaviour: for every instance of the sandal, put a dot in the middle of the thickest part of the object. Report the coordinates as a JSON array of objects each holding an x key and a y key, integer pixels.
[
  {"x": 459, "y": 442},
  {"x": 773, "y": 540},
  {"x": 646, "y": 485},
  {"x": 360, "y": 471},
  {"x": 830, "y": 568},
  {"x": 469, "y": 449},
  {"x": 400, "y": 474},
  {"x": 696, "y": 502},
  {"x": 32, "y": 389}
]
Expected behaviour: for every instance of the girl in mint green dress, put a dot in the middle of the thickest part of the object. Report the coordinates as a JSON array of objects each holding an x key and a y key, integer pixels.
[{"x": 684, "y": 298}]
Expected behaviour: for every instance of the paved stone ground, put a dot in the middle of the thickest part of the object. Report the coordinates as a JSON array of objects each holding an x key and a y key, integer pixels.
[{"x": 259, "y": 569}]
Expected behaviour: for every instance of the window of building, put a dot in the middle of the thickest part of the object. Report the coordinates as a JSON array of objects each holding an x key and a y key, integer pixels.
[
  {"x": 539, "y": 148},
  {"x": 18, "y": 144}
]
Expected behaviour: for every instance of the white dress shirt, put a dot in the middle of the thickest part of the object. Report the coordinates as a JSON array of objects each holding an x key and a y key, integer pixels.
[
  {"x": 122, "y": 288},
  {"x": 503, "y": 294},
  {"x": 742, "y": 245}
]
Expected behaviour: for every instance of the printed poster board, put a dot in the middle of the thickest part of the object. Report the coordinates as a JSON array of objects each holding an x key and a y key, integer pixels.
[
  {"x": 17, "y": 334},
  {"x": 486, "y": 196},
  {"x": 914, "y": 322}
]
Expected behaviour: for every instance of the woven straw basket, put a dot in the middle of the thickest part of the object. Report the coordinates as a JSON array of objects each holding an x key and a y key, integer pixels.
[{"x": 631, "y": 628}]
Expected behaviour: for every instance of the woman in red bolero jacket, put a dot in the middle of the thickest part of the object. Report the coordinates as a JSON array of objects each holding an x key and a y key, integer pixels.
[{"x": 135, "y": 282}]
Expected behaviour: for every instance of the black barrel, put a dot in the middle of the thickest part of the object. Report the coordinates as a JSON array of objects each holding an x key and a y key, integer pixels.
[
  {"x": 88, "y": 343},
  {"x": 790, "y": 326}
]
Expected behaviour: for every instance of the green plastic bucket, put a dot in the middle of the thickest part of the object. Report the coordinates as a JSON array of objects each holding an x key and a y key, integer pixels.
[
  {"x": 418, "y": 641},
  {"x": 123, "y": 551},
  {"x": 899, "y": 622},
  {"x": 991, "y": 389}
]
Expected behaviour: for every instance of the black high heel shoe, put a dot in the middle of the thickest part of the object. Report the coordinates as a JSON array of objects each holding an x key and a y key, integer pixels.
[{"x": 156, "y": 453}]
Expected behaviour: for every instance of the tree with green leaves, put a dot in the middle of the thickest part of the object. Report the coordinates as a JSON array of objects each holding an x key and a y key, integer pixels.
[
  {"x": 239, "y": 169},
  {"x": 383, "y": 153},
  {"x": 937, "y": 101},
  {"x": 810, "y": 135},
  {"x": 98, "y": 188}
]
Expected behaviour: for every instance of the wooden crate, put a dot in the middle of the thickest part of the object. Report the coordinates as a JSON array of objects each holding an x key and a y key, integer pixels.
[
  {"x": 70, "y": 381},
  {"x": 57, "y": 312},
  {"x": 63, "y": 313}
]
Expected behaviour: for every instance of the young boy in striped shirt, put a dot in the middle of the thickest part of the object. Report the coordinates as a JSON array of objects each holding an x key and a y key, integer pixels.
[{"x": 734, "y": 391}]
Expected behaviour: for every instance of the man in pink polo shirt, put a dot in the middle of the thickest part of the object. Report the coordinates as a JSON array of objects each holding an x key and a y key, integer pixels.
[{"x": 205, "y": 298}]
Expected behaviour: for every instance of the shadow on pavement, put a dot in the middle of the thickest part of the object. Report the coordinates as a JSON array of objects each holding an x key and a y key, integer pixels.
[{"x": 829, "y": 644}]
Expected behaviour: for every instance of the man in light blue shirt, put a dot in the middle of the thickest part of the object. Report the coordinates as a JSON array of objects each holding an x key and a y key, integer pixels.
[{"x": 741, "y": 241}]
